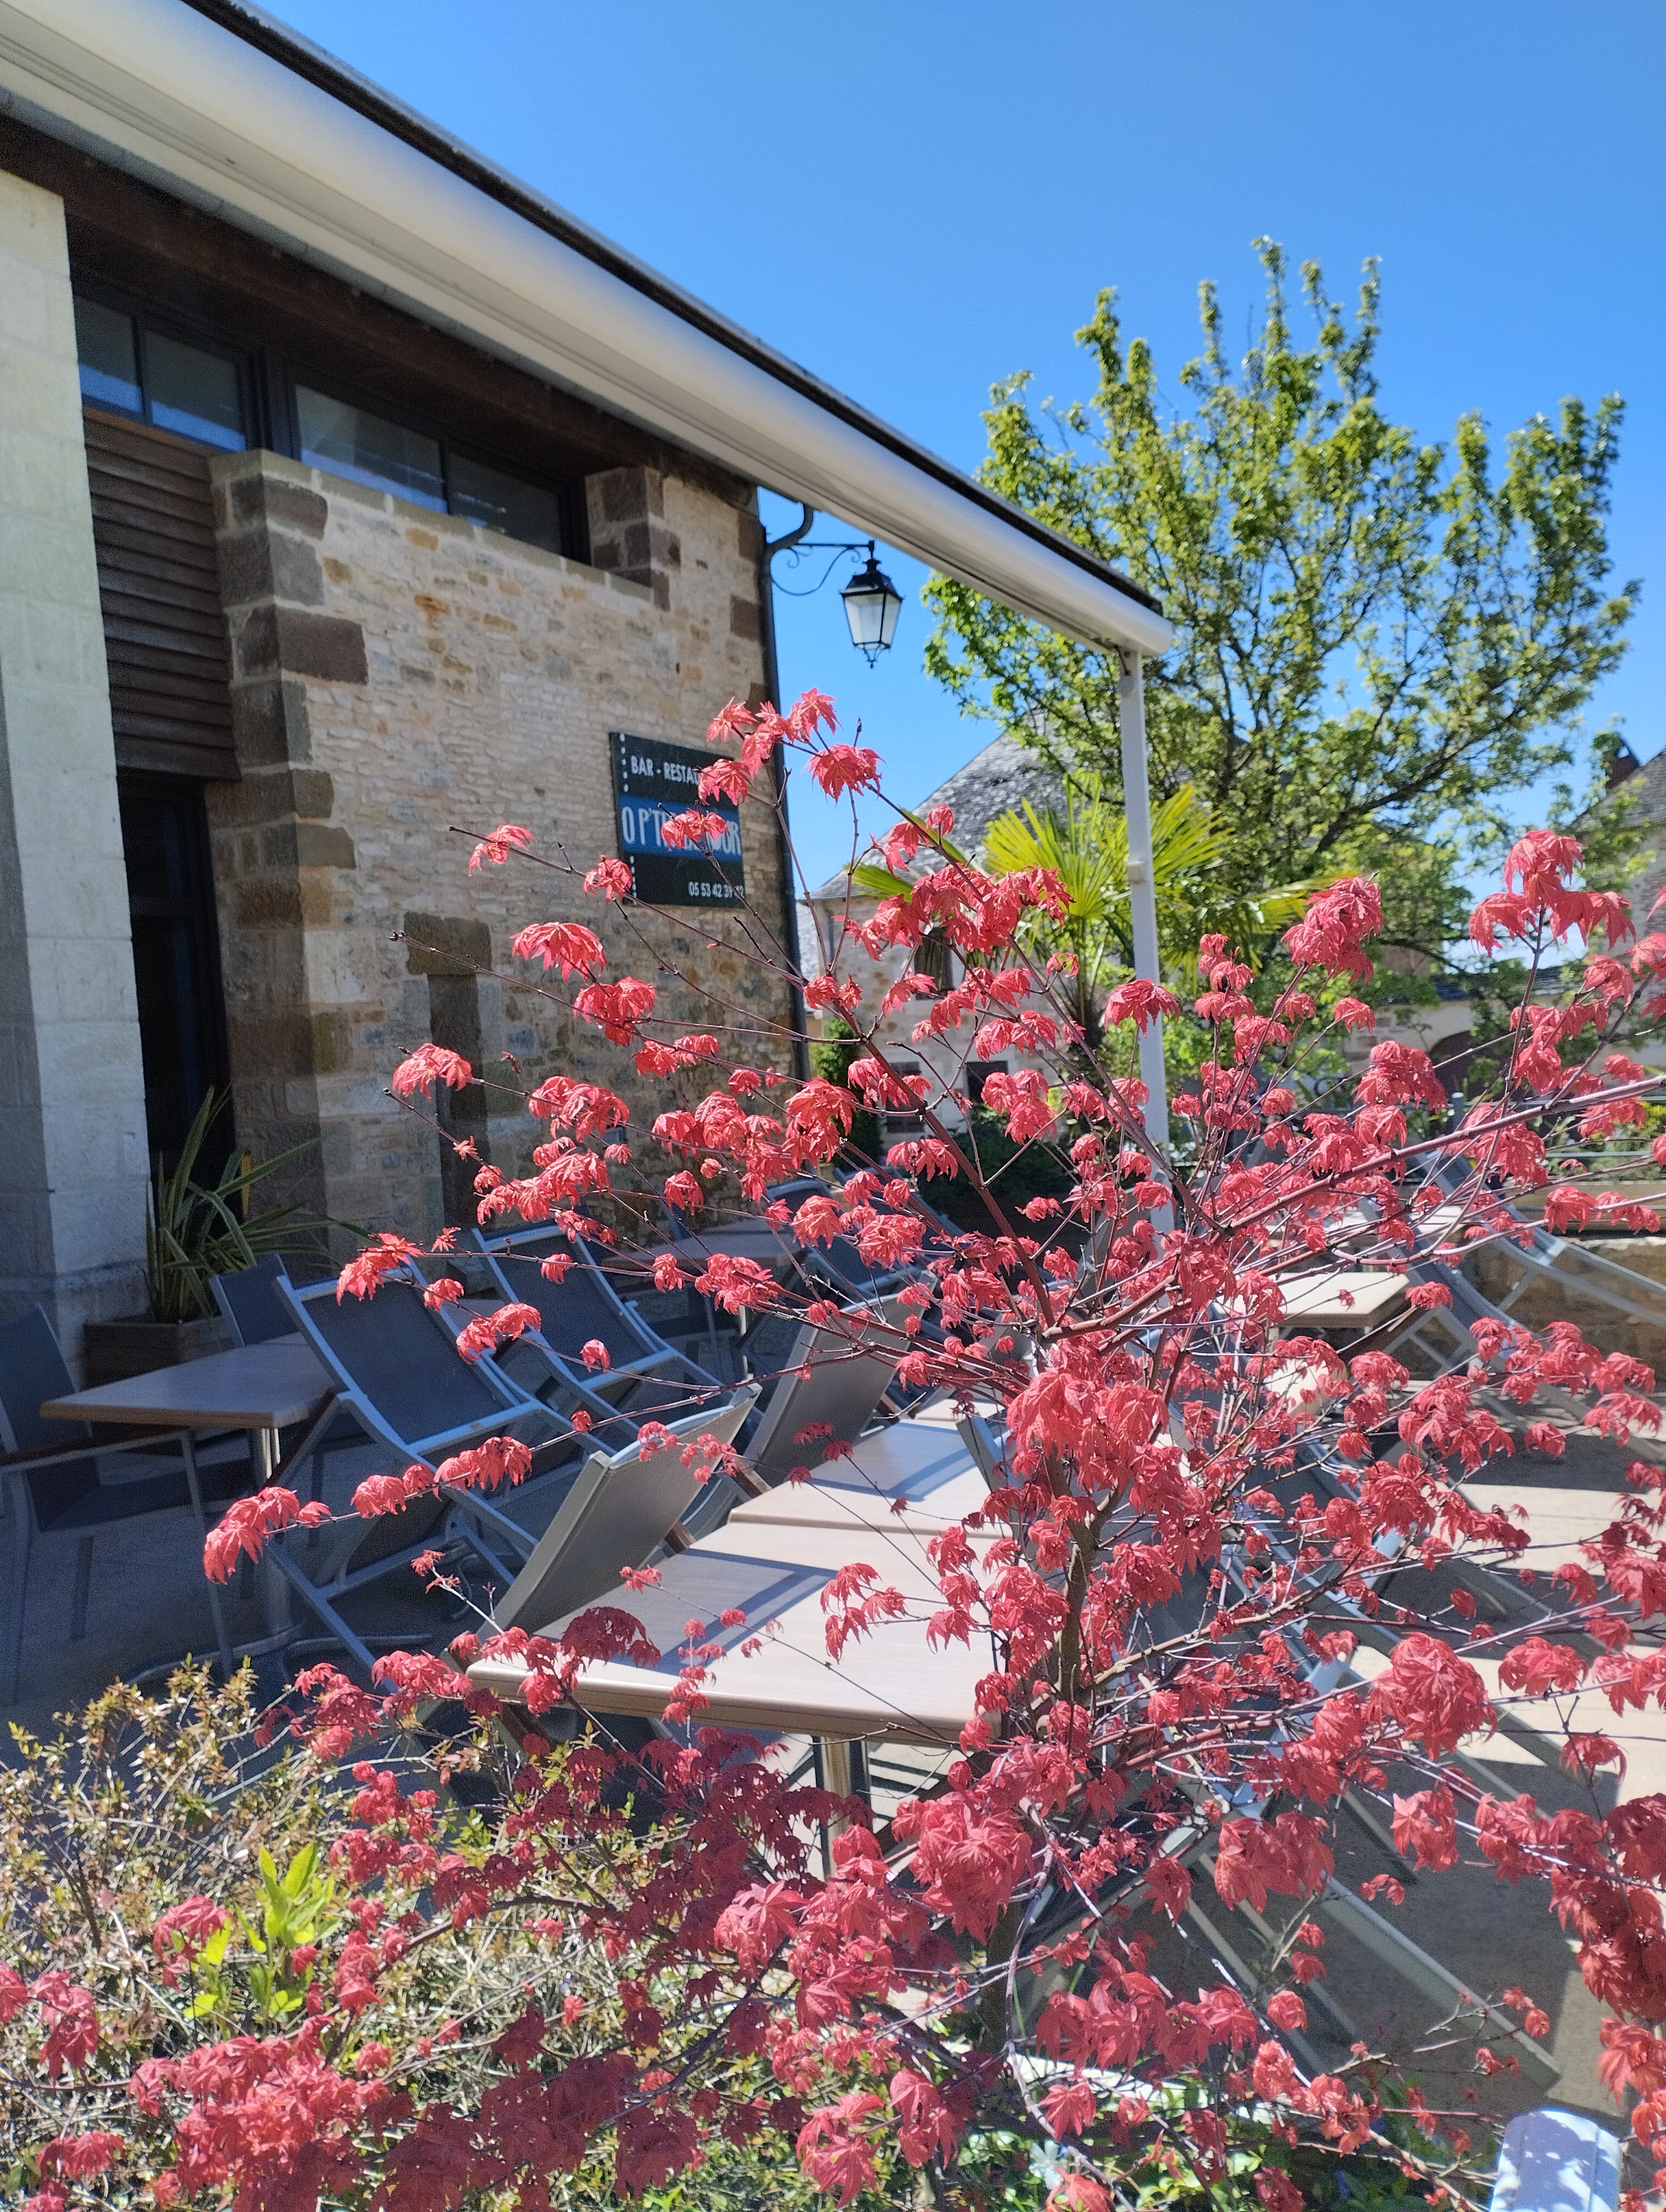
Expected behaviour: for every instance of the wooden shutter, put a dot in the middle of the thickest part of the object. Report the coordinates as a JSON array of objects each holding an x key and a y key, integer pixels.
[{"x": 158, "y": 582}]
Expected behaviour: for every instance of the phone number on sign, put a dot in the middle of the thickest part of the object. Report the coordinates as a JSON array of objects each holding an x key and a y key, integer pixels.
[{"x": 725, "y": 894}]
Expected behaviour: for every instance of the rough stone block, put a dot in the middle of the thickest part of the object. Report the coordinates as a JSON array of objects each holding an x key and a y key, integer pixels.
[
  {"x": 270, "y": 564},
  {"x": 305, "y": 845},
  {"x": 314, "y": 791},
  {"x": 260, "y": 498},
  {"x": 332, "y": 1040},
  {"x": 272, "y": 638},
  {"x": 269, "y": 723},
  {"x": 267, "y": 902},
  {"x": 444, "y": 944}
]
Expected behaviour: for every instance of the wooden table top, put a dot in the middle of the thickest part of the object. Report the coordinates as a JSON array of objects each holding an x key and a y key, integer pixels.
[
  {"x": 926, "y": 1464},
  {"x": 1343, "y": 1298},
  {"x": 890, "y": 1682},
  {"x": 254, "y": 1386}
]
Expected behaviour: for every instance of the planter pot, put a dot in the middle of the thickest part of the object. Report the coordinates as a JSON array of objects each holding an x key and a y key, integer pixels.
[{"x": 113, "y": 1350}]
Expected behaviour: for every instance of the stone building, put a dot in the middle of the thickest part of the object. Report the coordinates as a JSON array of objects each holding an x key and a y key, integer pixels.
[{"x": 354, "y": 500}]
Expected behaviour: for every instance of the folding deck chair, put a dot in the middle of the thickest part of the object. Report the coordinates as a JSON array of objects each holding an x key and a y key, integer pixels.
[
  {"x": 826, "y": 1386},
  {"x": 839, "y": 1263},
  {"x": 620, "y": 1508},
  {"x": 400, "y": 1378},
  {"x": 646, "y": 1377},
  {"x": 53, "y": 1479}
]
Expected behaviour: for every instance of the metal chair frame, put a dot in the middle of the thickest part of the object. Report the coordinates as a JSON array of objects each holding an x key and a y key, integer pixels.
[
  {"x": 74, "y": 1452},
  {"x": 652, "y": 1355},
  {"x": 452, "y": 1516}
]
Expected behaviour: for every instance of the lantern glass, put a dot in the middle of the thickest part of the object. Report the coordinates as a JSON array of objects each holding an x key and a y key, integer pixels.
[{"x": 871, "y": 605}]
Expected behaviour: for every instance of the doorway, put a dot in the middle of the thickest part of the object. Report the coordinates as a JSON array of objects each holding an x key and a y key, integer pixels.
[{"x": 176, "y": 960}]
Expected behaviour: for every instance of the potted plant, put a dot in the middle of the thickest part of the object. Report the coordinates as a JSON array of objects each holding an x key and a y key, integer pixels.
[{"x": 194, "y": 1230}]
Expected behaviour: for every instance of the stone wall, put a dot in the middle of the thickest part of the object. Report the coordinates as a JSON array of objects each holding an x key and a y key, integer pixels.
[
  {"x": 72, "y": 1128},
  {"x": 397, "y": 673}
]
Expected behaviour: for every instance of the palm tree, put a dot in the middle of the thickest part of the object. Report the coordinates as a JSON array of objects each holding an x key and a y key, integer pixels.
[{"x": 1087, "y": 845}]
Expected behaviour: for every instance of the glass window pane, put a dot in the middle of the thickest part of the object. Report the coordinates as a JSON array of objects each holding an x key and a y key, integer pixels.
[
  {"x": 502, "y": 502},
  {"x": 194, "y": 392},
  {"x": 109, "y": 359},
  {"x": 352, "y": 442}
]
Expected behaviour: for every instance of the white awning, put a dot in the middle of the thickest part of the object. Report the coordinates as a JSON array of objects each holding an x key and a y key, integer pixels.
[{"x": 159, "y": 88}]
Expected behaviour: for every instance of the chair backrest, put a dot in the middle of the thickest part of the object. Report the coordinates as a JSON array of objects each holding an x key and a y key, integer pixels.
[
  {"x": 581, "y": 1308},
  {"x": 250, "y": 1301},
  {"x": 837, "y": 1395},
  {"x": 838, "y": 1261},
  {"x": 620, "y": 1508},
  {"x": 32, "y": 1370},
  {"x": 350, "y": 1546},
  {"x": 400, "y": 1361}
]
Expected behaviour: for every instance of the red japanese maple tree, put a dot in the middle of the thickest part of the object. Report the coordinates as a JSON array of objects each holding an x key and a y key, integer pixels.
[{"x": 1198, "y": 1515}]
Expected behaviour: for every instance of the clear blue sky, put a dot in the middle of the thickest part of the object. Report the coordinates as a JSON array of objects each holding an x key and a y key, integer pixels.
[{"x": 915, "y": 199}]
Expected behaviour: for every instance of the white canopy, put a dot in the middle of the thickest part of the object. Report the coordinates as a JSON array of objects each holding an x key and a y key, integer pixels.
[{"x": 240, "y": 116}]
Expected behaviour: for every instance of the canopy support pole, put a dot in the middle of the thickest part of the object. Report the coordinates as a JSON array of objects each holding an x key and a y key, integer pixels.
[{"x": 1142, "y": 890}]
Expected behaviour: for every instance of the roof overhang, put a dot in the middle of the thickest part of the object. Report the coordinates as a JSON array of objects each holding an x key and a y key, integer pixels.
[{"x": 272, "y": 137}]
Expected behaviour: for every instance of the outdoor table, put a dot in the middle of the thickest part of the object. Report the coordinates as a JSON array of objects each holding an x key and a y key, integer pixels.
[
  {"x": 260, "y": 1387},
  {"x": 890, "y": 1682},
  {"x": 921, "y": 1461},
  {"x": 1342, "y": 1297}
]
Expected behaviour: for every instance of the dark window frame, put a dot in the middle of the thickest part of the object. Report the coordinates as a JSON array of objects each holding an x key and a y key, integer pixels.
[
  {"x": 564, "y": 491},
  {"x": 266, "y": 381},
  {"x": 146, "y": 318}
]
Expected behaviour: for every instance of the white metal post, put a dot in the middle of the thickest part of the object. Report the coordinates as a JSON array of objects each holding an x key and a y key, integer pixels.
[{"x": 1142, "y": 890}]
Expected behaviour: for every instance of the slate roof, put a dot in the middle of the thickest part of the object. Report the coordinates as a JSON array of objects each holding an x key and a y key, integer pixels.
[{"x": 996, "y": 781}]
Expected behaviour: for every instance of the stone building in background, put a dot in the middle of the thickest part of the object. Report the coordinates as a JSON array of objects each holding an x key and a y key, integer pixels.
[{"x": 353, "y": 500}]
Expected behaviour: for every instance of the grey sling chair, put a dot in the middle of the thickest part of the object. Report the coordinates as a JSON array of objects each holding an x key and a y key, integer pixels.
[
  {"x": 400, "y": 1377},
  {"x": 645, "y": 1378},
  {"x": 838, "y": 1263},
  {"x": 52, "y": 1472},
  {"x": 623, "y": 1507},
  {"x": 823, "y": 1384}
]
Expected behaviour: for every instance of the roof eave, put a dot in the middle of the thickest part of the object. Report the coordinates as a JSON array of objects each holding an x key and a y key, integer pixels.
[{"x": 232, "y": 111}]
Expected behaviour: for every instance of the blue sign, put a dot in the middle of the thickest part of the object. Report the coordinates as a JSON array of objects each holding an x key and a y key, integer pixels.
[{"x": 652, "y": 782}]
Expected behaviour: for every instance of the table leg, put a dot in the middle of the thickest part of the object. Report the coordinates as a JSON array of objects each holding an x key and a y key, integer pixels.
[
  {"x": 839, "y": 1759},
  {"x": 189, "y": 1451},
  {"x": 275, "y": 1594}
]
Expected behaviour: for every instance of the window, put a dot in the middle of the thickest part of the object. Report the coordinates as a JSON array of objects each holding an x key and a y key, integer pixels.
[
  {"x": 502, "y": 503},
  {"x": 904, "y": 1121},
  {"x": 935, "y": 956},
  {"x": 352, "y": 441},
  {"x": 133, "y": 369},
  {"x": 219, "y": 396}
]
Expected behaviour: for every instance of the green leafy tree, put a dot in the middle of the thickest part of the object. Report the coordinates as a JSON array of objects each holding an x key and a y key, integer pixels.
[{"x": 1377, "y": 641}]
